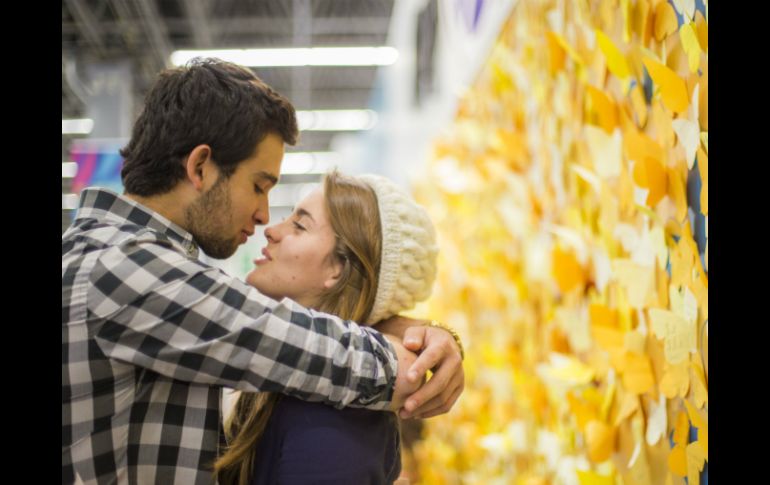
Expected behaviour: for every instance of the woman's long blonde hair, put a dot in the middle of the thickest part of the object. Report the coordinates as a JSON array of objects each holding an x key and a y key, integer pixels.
[{"x": 355, "y": 219}]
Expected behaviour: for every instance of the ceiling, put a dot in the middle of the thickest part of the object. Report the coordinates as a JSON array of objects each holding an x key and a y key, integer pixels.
[{"x": 145, "y": 32}]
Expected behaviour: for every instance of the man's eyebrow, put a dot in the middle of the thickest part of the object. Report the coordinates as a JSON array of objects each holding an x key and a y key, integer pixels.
[
  {"x": 270, "y": 177},
  {"x": 302, "y": 212}
]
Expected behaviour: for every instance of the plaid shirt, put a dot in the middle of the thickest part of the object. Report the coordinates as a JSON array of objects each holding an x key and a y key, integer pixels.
[{"x": 150, "y": 335}]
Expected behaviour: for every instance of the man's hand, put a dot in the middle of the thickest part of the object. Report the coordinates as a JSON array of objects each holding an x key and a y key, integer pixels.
[
  {"x": 439, "y": 353},
  {"x": 404, "y": 387}
]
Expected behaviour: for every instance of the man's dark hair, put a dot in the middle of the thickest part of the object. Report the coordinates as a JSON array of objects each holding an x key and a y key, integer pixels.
[{"x": 208, "y": 101}]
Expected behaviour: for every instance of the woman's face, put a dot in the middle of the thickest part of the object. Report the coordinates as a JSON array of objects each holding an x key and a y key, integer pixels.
[{"x": 297, "y": 262}]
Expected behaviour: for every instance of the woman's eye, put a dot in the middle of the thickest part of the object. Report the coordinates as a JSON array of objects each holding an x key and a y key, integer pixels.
[
  {"x": 258, "y": 189},
  {"x": 298, "y": 226}
]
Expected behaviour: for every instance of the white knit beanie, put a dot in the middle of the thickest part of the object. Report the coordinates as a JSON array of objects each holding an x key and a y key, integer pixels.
[{"x": 409, "y": 250}]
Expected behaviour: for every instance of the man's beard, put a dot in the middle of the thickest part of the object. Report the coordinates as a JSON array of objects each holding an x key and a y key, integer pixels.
[{"x": 209, "y": 219}]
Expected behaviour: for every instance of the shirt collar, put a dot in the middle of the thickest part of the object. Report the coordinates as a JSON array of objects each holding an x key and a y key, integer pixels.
[{"x": 104, "y": 204}]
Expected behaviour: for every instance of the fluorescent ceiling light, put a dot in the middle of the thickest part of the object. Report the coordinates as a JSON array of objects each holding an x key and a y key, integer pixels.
[
  {"x": 81, "y": 126},
  {"x": 307, "y": 162},
  {"x": 69, "y": 170},
  {"x": 337, "y": 120},
  {"x": 312, "y": 56}
]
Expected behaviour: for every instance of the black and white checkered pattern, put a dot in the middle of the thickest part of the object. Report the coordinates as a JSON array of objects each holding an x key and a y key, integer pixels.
[{"x": 150, "y": 335}]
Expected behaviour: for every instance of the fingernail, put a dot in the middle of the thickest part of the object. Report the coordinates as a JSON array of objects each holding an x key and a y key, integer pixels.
[
  {"x": 410, "y": 341},
  {"x": 403, "y": 414},
  {"x": 412, "y": 375},
  {"x": 410, "y": 405}
]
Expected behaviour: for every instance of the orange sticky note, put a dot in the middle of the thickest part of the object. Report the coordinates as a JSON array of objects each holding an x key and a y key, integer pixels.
[
  {"x": 673, "y": 89},
  {"x": 702, "y": 27},
  {"x": 650, "y": 174},
  {"x": 603, "y": 316},
  {"x": 637, "y": 146},
  {"x": 600, "y": 439},
  {"x": 676, "y": 191},
  {"x": 639, "y": 105},
  {"x": 665, "y": 21},
  {"x": 677, "y": 461},
  {"x": 556, "y": 54},
  {"x": 605, "y": 109},
  {"x": 566, "y": 270},
  {"x": 681, "y": 429}
]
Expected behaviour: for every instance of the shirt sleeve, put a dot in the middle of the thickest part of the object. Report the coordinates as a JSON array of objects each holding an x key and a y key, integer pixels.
[{"x": 157, "y": 309}]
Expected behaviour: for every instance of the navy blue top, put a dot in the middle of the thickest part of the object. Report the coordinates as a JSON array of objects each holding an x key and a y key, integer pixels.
[{"x": 315, "y": 443}]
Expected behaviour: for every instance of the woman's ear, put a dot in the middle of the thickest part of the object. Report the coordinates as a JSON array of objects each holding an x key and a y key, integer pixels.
[
  {"x": 334, "y": 274},
  {"x": 198, "y": 166}
]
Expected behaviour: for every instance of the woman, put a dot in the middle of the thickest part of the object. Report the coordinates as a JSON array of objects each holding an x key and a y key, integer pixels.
[{"x": 360, "y": 248}]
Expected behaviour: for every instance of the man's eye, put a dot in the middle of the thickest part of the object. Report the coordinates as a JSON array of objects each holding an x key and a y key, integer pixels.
[{"x": 258, "y": 189}]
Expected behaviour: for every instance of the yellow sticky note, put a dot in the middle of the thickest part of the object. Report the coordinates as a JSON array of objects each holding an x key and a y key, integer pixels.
[
  {"x": 570, "y": 370},
  {"x": 676, "y": 380},
  {"x": 616, "y": 61},
  {"x": 639, "y": 105},
  {"x": 605, "y": 109},
  {"x": 677, "y": 461},
  {"x": 690, "y": 44},
  {"x": 592, "y": 478},
  {"x": 683, "y": 303},
  {"x": 677, "y": 333},
  {"x": 656, "y": 422},
  {"x": 600, "y": 439},
  {"x": 699, "y": 389},
  {"x": 637, "y": 373},
  {"x": 699, "y": 422},
  {"x": 606, "y": 150},
  {"x": 665, "y": 21},
  {"x": 688, "y": 131},
  {"x": 672, "y": 87},
  {"x": 628, "y": 407},
  {"x": 695, "y": 459},
  {"x": 703, "y": 169},
  {"x": 637, "y": 280}
]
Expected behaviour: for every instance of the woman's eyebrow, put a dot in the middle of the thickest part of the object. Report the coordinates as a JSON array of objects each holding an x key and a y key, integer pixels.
[{"x": 302, "y": 212}]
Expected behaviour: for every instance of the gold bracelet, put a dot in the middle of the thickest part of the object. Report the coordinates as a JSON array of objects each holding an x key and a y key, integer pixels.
[{"x": 452, "y": 332}]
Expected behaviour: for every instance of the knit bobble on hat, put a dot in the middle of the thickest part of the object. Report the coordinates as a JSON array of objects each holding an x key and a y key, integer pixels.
[{"x": 409, "y": 250}]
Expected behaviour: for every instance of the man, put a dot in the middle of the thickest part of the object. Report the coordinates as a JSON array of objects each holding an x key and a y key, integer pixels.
[{"x": 150, "y": 334}]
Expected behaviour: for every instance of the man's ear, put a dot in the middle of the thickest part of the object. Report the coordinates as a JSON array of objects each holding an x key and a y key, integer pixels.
[{"x": 199, "y": 167}]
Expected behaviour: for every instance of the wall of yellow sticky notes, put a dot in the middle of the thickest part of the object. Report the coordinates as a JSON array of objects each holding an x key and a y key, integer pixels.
[{"x": 570, "y": 257}]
